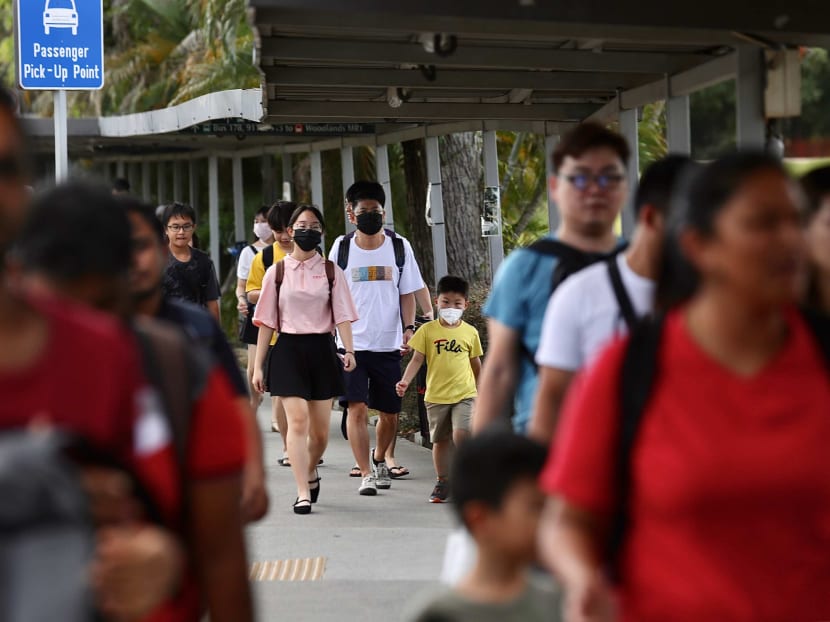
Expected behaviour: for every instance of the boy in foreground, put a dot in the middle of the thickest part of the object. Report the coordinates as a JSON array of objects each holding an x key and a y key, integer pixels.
[
  {"x": 452, "y": 351},
  {"x": 498, "y": 501}
]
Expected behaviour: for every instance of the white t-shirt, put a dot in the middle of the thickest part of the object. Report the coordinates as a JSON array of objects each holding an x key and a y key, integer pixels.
[
  {"x": 583, "y": 315},
  {"x": 246, "y": 258},
  {"x": 373, "y": 280}
]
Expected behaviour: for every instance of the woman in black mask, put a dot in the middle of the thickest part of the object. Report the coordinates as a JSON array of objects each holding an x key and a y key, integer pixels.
[{"x": 304, "y": 297}]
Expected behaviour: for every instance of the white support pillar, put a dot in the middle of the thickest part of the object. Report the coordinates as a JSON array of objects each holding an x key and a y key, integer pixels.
[
  {"x": 193, "y": 184},
  {"x": 751, "y": 123},
  {"x": 436, "y": 205},
  {"x": 317, "y": 183},
  {"x": 161, "y": 183},
  {"x": 551, "y": 143},
  {"x": 628, "y": 128},
  {"x": 347, "y": 168},
  {"x": 491, "y": 178},
  {"x": 145, "y": 181},
  {"x": 287, "y": 177},
  {"x": 178, "y": 191},
  {"x": 61, "y": 140},
  {"x": 213, "y": 207},
  {"x": 238, "y": 200},
  {"x": 679, "y": 133},
  {"x": 384, "y": 179}
]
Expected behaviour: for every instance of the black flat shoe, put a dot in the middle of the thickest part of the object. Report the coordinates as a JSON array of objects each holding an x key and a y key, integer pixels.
[
  {"x": 302, "y": 509},
  {"x": 315, "y": 492}
]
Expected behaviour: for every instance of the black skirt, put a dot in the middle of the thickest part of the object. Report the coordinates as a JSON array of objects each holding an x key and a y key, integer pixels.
[{"x": 305, "y": 366}]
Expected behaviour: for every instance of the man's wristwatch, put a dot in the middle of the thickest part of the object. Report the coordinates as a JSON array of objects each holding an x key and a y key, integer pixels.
[{"x": 409, "y": 327}]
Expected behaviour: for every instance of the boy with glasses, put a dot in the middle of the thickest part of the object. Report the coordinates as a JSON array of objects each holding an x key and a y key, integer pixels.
[
  {"x": 190, "y": 273},
  {"x": 589, "y": 186}
]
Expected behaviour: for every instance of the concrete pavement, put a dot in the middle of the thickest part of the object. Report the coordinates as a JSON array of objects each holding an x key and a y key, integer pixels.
[{"x": 378, "y": 552}]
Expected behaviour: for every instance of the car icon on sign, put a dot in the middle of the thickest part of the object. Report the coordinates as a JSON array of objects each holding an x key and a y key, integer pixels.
[{"x": 60, "y": 14}]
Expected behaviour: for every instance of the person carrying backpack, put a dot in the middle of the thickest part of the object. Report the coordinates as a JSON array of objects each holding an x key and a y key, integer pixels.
[
  {"x": 689, "y": 476},
  {"x": 603, "y": 300},
  {"x": 590, "y": 188},
  {"x": 304, "y": 298}
]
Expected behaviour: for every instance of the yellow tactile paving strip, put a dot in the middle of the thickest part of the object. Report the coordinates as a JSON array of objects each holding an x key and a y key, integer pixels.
[{"x": 309, "y": 569}]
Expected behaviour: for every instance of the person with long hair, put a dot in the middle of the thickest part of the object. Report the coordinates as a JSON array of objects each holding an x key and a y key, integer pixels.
[
  {"x": 304, "y": 298},
  {"x": 724, "y": 513},
  {"x": 816, "y": 185}
]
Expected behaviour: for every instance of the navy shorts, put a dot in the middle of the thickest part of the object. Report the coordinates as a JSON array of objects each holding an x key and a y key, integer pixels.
[{"x": 373, "y": 381}]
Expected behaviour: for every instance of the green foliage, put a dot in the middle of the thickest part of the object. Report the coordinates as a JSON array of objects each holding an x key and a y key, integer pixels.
[
  {"x": 523, "y": 187},
  {"x": 712, "y": 114},
  {"x": 652, "y": 134}
]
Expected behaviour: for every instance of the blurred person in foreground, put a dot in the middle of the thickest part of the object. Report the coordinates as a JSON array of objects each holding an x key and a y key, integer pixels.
[
  {"x": 198, "y": 492},
  {"x": 705, "y": 496},
  {"x": 498, "y": 500}
]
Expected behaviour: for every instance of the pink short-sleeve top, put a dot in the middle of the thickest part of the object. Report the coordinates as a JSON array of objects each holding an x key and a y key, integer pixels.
[{"x": 304, "y": 298}]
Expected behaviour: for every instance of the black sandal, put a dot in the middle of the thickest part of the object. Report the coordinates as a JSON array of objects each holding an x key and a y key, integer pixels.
[
  {"x": 302, "y": 509},
  {"x": 315, "y": 492}
]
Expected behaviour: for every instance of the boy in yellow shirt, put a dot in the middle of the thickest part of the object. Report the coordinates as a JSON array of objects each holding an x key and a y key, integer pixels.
[{"x": 452, "y": 351}]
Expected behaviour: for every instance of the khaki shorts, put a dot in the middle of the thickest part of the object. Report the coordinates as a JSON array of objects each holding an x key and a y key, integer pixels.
[{"x": 444, "y": 418}]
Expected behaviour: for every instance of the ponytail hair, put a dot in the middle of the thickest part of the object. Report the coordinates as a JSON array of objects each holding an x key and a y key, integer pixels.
[{"x": 696, "y": 203}]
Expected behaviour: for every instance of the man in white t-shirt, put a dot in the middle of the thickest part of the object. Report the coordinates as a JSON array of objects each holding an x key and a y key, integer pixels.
[
  {"x": 384, "y": 293},
  {"x": 590, "y": 309}
]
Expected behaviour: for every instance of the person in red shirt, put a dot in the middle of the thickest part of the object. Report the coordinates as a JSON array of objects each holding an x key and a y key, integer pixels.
[
  {"x": 729, "y": 494},
  {"x": 208, "y": 483}
]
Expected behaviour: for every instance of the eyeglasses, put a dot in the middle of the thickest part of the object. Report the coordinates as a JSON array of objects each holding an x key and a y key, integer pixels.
[
  {"x": 302, "y": 226},
  {"x": 604, "y": 181},
  {"x": 176, "y": 228}
]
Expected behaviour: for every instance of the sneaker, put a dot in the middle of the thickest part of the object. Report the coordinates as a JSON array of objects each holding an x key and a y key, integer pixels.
[
  {"x": 440, "y": 493},
  {"x": 368, "y": 488},
  {"x": 382, "y": 478}
]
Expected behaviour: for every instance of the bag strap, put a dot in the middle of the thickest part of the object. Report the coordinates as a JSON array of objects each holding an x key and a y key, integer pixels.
[
  {"x": 330, "y": 277},
  {"x": 343, "y": 250},
  {"x": 268, "y": 256},
  {"x": 819, "y": 325},
  {"x": 279, "y": 276},
  {"x": 400, "y": 252},
  {"x": 637, "y": 379},
  {"x": 623, "y": 299}
]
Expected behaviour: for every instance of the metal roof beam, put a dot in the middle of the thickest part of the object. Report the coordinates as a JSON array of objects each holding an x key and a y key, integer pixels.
[
  {"x": 282, "y": 50},
  {"x": 307, "y": 110},
  {"x": 450, "y": 79}
]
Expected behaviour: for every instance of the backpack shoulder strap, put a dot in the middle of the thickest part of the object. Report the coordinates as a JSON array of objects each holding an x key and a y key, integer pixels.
[
  {"x": 330, "y": 277},
  {"x": 343, "y": 250},
  {"x": 400, "y": 252},
  {"x": 279, "y": 277},
  {"x": 637, "y": 378},
  {"x": 623, "y": 299},
  {"x": 819, "y": 325},
  {"x": 268, "y": 256}
]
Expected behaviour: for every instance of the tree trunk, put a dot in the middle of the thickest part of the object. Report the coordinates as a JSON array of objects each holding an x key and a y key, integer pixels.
[
  {"x": 461, "y": 178},
  {"x": 420, "y": 236}
]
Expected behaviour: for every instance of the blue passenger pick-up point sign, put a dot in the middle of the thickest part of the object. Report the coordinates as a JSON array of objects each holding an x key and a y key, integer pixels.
[{"x": 60, "y": 44}]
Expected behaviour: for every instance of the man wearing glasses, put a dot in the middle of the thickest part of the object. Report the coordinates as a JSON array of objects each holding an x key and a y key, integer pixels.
[
  {"x": 589, "y": 187},
  {"x": 190, "y": 273}
]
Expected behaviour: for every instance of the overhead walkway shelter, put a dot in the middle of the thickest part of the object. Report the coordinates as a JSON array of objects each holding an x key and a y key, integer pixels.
[{"x": 396, "y": 70}]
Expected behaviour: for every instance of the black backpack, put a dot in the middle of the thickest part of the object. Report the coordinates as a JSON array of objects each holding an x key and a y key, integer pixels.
[
  {"x": 570, "y": 260},
  {"x": 397, "y": 245},
  {"x": 638, "y": 377}
]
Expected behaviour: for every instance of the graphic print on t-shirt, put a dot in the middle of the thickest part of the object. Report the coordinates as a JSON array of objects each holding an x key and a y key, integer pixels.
[
  {"x": 372, "y": 273},
  {"x": 447, "y": 345}
]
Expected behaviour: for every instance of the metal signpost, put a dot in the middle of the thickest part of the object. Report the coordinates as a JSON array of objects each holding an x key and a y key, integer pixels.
[{"x": 60, "y": 47}]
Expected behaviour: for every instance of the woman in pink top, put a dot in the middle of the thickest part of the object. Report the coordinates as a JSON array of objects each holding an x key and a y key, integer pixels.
[{"x": 304, "y": 297}]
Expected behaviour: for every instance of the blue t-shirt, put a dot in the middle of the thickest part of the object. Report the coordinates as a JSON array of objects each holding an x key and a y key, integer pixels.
[{"x": 518, "y": 299}]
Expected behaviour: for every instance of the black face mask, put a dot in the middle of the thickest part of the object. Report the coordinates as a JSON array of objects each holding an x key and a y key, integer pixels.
[
  {"x": 307, "y": 239},
  {"x": 369, "y": 222}
]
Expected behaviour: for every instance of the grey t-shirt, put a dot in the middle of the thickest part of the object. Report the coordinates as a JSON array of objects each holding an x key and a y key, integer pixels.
[{"x": 540, "y": 602}]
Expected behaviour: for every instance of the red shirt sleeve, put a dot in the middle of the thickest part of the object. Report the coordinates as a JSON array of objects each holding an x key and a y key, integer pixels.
[
  {"x": 217, "y": 435},
  {"x": 580, "y": 465}
]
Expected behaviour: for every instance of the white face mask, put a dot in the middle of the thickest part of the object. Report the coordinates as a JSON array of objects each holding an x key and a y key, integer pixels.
[
  {"x": 450, "y": 316},
  {"x": 262, "y": 230}
]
